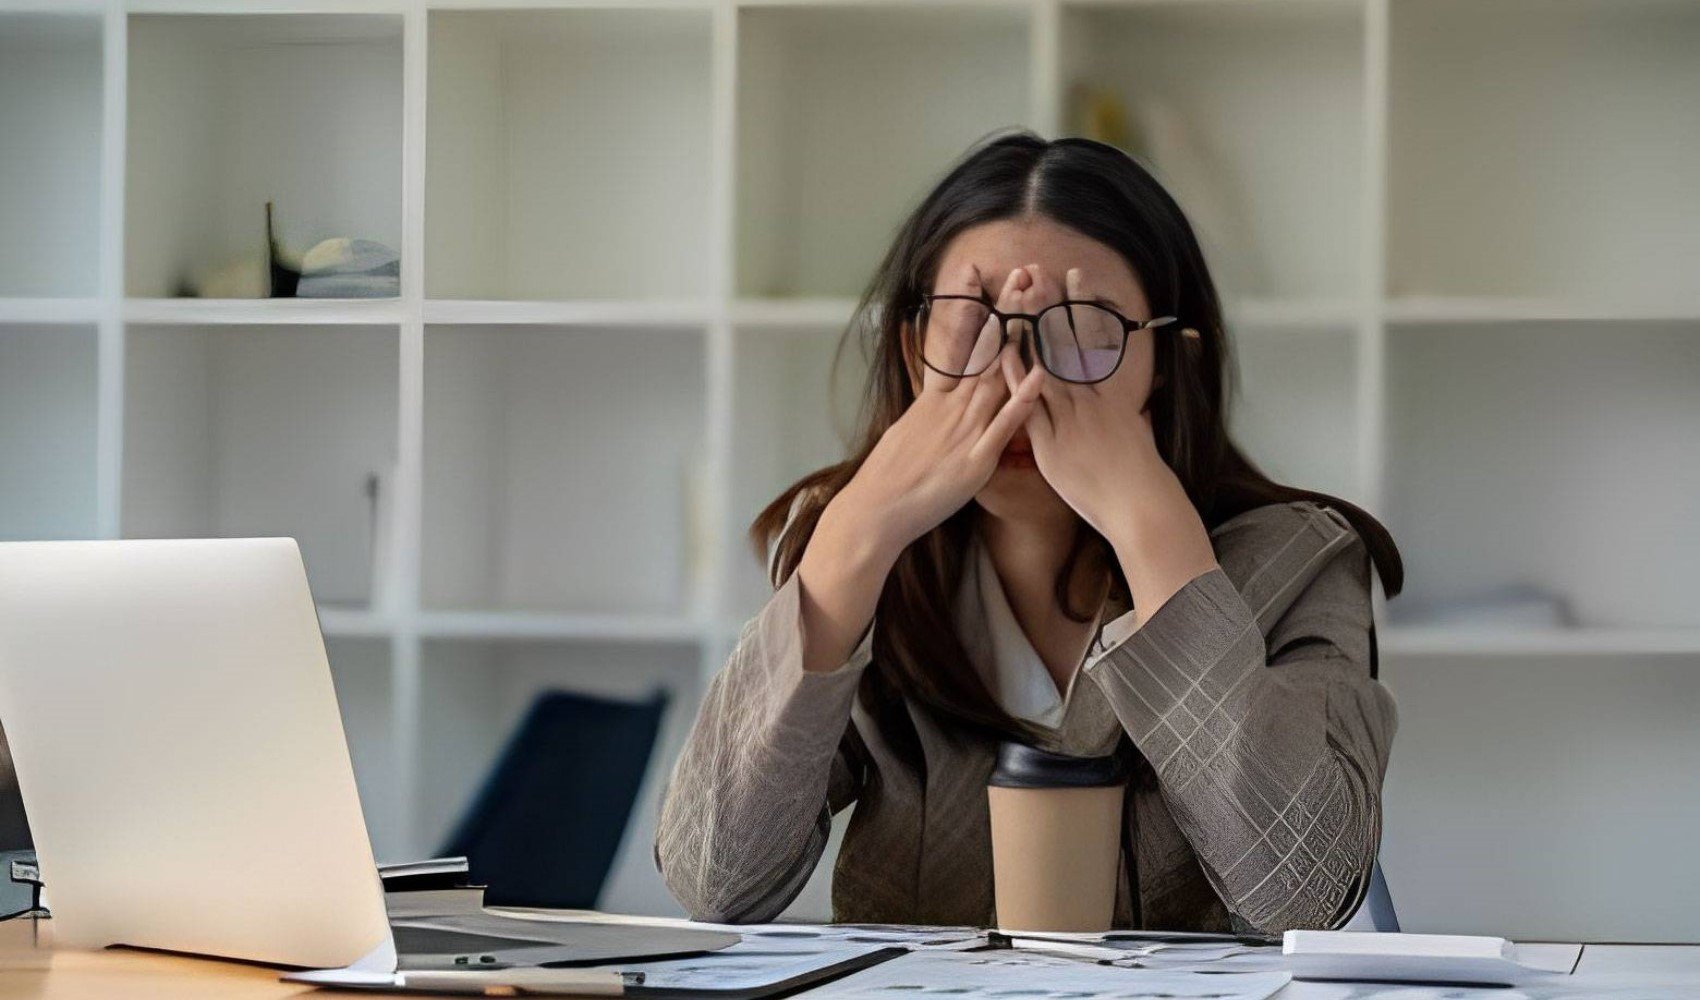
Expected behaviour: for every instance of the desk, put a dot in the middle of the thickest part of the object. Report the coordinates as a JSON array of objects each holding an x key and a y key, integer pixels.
[{"x": 31, "y": 968}]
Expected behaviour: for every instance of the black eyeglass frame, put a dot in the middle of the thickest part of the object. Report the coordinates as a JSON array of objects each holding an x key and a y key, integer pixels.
[{"x": 1128, "y": 328}]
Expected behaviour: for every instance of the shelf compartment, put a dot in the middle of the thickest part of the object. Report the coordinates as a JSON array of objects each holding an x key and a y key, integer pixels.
[
  {"x": 1544, "y": 149},
  {"x": 790, "y": 417},
  {"x": 568, "y": 154},
  {"x": 48, "y": 412},
  {"x": 1509, "y": 769},
  {"x": 51, "y": 69},
  {"x": 1549, "y": 466},
  {"x": 245, "y": 431},
  {"x": 361, "y": 672},
  {"x": 1296, "y": 414},
  {"x": 561, "y": 469},
  {"x": 229, "y": 111},
  {"x": 847, "y": 116},
  {"x": 474, "y": 693},
  {"x": 1252, "y": 115}
]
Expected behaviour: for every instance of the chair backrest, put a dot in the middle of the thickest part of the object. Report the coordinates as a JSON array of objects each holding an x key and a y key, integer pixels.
[
  {"x": 544, "y": 829},
  {"x": 14, "y": 826},
  {"x": 1375, "y": 913}
]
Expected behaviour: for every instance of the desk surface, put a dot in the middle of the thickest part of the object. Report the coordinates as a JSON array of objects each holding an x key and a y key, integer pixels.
[{"x": 31, "y": 967}]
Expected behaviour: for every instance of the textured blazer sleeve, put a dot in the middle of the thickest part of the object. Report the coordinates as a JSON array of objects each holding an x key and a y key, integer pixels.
[
  {"x": 770, "y": 758},
  {"x": 1269, "y": 751}
]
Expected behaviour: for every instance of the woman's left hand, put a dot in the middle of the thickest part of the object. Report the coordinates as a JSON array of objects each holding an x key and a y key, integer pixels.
[
  {"x": 1096, "y": 446},
  {"x": 1095, "y": 443}
]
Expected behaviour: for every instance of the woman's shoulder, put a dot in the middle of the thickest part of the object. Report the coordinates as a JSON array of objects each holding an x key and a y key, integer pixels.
[
  {"x": 1273, "y": 551},
  {"x": 1278, "y": 522}
]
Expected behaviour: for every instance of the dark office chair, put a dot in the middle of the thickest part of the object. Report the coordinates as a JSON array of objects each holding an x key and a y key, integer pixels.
[
  {"x": 1379, "y": 903},
  {"x": 544, "y": 829},
  {"x": 14, "y": 827}
]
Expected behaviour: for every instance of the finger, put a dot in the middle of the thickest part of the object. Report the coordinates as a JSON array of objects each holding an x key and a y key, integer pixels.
[
  {"x": 991, "y": 389},
  {"x": 993, "y": 376},
  {"x": 1074, "y": 287},
  {"x": 964, "y": 278},
  {"x": 1009, "y": 296},
  {"x": 1013, "y": 368},
  {"x": 1044, "y": 290},
  {"x": 1059, "y": 397},
  {"x": 932, "y": 382},
  {"x": 1013, "y": 414},
  {"x": 1041, "y": 429}
]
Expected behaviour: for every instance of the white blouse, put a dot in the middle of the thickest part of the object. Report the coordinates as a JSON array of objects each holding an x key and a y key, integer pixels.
[{"x": 1005, "y": 657}]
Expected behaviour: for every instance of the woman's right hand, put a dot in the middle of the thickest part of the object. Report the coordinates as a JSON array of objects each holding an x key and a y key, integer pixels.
[
  {"x": 945, "y": 446},
  {"x": 929, "y": 463}
]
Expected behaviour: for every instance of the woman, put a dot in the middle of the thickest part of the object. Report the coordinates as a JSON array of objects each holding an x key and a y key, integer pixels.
[{"x": 1032, "y": 500}]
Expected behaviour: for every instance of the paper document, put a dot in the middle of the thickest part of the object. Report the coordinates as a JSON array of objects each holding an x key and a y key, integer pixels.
[
  {"x": 999, "y": 974},
  {"x": 752, "y": 968},
  {"x": 1193, "y": 956}
]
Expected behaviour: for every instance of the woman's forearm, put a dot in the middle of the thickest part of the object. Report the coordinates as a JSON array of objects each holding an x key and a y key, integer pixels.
[
  {"x": 1161, "y": 548},
  {"x": 1270, "y": 747},
  {"x": 769, "y": 759},
  {"x": 842, "y": 573}
]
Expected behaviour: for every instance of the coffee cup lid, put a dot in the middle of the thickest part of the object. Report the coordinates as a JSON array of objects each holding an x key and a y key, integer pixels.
[{"x": 1023, "y": 766}]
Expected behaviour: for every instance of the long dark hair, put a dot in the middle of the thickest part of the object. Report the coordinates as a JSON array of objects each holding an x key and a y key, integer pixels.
[{"x": 1101, "y": 192}]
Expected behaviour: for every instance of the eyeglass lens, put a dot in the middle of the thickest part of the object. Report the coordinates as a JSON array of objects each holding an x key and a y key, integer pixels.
[{"x": 1076, "y": 342}]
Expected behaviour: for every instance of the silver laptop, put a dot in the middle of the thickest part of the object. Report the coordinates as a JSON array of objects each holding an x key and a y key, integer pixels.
[{"x": 175, "y": 729}]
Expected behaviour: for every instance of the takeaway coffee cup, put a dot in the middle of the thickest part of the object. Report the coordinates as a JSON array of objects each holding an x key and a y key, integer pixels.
[{"x": 1056, "y": 837}]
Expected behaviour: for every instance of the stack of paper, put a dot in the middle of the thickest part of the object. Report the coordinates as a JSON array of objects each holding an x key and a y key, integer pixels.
[{"x": 1424, "y": 958}]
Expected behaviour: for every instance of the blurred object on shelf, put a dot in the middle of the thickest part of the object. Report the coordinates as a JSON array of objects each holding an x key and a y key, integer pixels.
[
  {"x": 350, "y": 268},
  {"x": 239, "y": 279},
  {"x": 1098, "y": 113},
  {"x": 381, "y": 508},
  {"x": 285, "y": 268},
  {"x": 1158, "y": 134},
  {"x": 342, "y": 267},
  {"x": 1509, "y": 605}
]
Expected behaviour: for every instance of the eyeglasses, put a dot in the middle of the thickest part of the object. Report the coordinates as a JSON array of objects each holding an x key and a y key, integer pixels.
[{"x": 1077, "y": 340}]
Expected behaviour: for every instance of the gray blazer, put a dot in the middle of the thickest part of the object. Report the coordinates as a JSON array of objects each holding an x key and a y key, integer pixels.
[{"x": 1256, "y": 804}]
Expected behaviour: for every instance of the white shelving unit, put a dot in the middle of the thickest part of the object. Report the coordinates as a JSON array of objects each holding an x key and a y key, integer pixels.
[
  {"x": 1456, "y": 239},
  {"x": 47, "y": 431},
  {"x": 50, "y": 86},
  {"x": 226, "y": 113}
]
